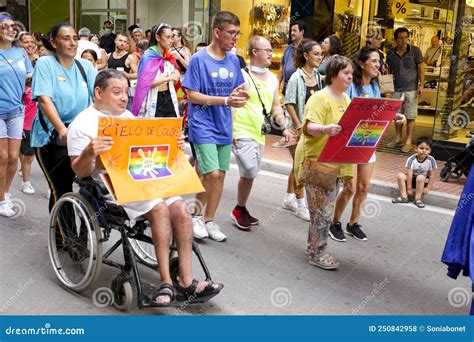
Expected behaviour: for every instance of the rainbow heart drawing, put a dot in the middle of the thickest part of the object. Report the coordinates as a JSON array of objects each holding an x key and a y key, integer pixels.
[{"x": 149, "y": 162}]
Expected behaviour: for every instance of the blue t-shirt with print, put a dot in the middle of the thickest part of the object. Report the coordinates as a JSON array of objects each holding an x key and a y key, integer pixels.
[
  {"x": 67, "y": 89},
  {"x": 14, "y": 67},
  {"x": 206, "y": 75},
  {"x": 372, "y": 90}
]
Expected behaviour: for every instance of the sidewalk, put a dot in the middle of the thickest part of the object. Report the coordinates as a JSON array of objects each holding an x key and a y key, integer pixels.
[{"x": 444, "y": 195}]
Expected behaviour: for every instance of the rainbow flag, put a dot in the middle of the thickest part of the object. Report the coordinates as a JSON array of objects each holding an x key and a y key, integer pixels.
[{"x": 149, "y": 162}]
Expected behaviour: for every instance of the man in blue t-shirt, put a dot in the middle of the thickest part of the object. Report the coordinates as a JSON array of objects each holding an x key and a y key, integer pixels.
[
  {"x": 215, "y": 84},
  {"x": 287, "y": 68}
]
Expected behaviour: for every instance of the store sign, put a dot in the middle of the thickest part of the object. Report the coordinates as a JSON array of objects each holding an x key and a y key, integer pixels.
[{"x": 401, "y": 8}]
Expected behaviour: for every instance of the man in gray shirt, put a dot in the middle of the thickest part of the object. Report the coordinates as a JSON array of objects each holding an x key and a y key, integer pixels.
[{"x": 406, "y": 63}]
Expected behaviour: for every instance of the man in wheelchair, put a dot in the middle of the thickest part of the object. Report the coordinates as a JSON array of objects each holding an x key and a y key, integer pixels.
[{"x": 164, "y": 215}]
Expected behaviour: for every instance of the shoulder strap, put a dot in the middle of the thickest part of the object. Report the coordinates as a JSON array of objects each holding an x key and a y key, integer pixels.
[
  {"x": 258, "y": 93},
  {"x": 81, "y": 69}
]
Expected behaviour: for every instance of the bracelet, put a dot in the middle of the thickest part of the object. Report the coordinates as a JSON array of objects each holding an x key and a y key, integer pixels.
[{"x": 225, "y": 100}]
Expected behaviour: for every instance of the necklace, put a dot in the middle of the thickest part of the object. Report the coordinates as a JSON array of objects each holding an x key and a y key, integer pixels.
[{"x": 310, "y": 77}]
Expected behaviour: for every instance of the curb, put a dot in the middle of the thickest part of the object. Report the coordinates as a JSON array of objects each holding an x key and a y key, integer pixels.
[{"x": 378, "y": 187}]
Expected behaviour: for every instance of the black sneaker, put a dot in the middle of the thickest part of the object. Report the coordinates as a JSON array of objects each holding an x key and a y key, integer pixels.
[
  {"x": 355, "y": 231},
  {"x": 336, "y": 233}
]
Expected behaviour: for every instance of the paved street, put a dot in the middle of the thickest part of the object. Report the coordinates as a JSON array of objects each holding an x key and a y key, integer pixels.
[{"x": 396, "y": 272}]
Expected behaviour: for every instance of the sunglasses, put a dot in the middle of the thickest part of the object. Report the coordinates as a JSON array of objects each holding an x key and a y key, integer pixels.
[{"x": 5, "y": 27}]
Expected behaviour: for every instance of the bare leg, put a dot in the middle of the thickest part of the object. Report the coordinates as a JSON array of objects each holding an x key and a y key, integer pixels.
[
  {"x": 343, "y": 198},
  {"x": 402, "y": 185},
  {"x": 364, "y": 173},
  {"x": 183, "y": 234},
  {"x": 213, "y": 183},
  {"x": 410, "y": 130},
  {"x": 243, "y": 191},
  {"x": 420, "y": 185},
  {"x": 159, "y": 218},
  {"x": 12, "y": 166},
  {"x": 3, "y": 167},
  {"x": 26, "y": 162}
]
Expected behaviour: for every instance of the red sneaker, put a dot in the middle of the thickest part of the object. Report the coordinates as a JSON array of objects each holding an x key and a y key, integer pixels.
[{"x": 241, "y": 219}]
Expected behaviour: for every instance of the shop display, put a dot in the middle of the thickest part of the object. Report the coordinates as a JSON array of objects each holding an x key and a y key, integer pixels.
[{"x": 272, "y": 22}]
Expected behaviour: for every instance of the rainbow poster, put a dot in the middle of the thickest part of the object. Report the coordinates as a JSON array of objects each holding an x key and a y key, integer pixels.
[
  {"x": 145, "y": 162},
  {"x": 367, "y": 133},
  {"x": 149, "y": 162}
]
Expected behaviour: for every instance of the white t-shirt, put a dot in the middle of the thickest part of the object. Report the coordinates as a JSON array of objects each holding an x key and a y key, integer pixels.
[
  {"x": 421, "y": 167},
  {"x": 82, "y": 130},
  {"x": 87, "y": 45}
]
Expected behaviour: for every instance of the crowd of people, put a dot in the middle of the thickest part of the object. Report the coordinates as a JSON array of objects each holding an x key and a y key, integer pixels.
[{"x": 50, "y": 99}]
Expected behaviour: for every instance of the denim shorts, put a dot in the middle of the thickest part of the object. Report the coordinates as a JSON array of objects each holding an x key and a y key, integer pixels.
[{"x": 11, "y": 124}]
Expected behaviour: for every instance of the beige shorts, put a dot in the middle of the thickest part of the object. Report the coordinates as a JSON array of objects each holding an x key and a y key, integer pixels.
[{"x": 410, "y": 103}]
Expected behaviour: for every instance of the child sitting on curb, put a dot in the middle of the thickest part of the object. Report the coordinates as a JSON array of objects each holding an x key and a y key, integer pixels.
[{"x": 420, "y": 170}]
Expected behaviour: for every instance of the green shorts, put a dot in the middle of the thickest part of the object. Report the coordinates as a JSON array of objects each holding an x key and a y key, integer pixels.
[{"x": 212, "y": 157}]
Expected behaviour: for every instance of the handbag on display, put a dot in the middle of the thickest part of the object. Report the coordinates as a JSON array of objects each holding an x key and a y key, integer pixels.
[{"x": 322, "y": 175}]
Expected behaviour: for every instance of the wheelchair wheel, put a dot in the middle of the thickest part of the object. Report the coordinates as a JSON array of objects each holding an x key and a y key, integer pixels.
[
  {"x": 145, "y": 252},
  {"x": 174, "y": 270},
  {"x": 74, "y": 242},
  {"x": 123, "y": 295}
]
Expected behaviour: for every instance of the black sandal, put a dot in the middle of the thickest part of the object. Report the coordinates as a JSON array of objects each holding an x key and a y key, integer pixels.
[
  {"x": 189, "y": 293},
  {"x": 164, "y": 290}
]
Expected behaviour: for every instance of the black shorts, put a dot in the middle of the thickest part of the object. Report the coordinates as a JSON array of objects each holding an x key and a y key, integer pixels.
[
  {"x": 413, "y": 182},
  {"x": 25, "y": 147},
  {"x": 164, "y": 105}
]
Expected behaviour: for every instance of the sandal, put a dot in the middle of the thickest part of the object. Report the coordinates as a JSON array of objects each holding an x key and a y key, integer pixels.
[
  {"x": 419, "y": 204},
  {"x": 164, "y": 290},
  {"x": 400, "y": 200},
  {"x": 190, "y": 293},
  {"x": 407, "y": 148},
  {"x": 393, "y": 144},
  {"x": 325, "y": 261}
]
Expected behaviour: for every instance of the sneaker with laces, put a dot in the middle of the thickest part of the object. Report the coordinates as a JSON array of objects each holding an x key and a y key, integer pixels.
[
  {"x": 355, "y": 231},
  {"x": 27, "y": 188},
  {"x": 253, "y": 220},
  {"x": 214, "y": 231},
  {"x": 336, "y": 233},
  {"x": 241, "y": 219},
  {"x": 8, "y": 198},
  {"x": 290, "y": 204},
  {"x": 199, "y": 229},
  {"x": 303, "y": 213},
  {"x": 6, "y": 209}
]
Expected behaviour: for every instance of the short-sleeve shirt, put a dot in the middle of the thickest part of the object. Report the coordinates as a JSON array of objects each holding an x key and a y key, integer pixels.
[
  {"x": 14, "y": 67},
  {"x": 323, "y": 109},
  {"x": 206, "y": 75},
  {"x": 372, "y": 90},
  {"x": 432, "y": 54},
  {"x": 288, "y": 66},
  {"x": 405, "y": 68},
  {"x": 421, "y": 167},
  {"x": 66, "y": 88}
]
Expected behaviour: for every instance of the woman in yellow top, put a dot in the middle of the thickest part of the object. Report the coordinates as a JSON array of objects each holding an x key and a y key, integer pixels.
[{"x": 323, "y": 111}]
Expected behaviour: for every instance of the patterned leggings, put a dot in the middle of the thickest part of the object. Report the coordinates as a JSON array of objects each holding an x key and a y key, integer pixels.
[{"x": 321, "y": 205}]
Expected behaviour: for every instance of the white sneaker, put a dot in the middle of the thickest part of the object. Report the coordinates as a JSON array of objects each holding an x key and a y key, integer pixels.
[
  {"x": 303, "y": 213},
  {"x": 215, "y": 231},
  {"x": 290, "y": 204},
  {"x": 6, "y": 209},
  {"x": 199, "y": 229},
  {"x": 20, "y": 173},
  {"x": 27, "y": 188},
  {"x": 8, "y": 198}
]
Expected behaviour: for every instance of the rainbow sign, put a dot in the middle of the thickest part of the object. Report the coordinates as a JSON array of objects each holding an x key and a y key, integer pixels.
[
  {"x": 149, "y": 162},
  {"x": 367, "y": 133}
]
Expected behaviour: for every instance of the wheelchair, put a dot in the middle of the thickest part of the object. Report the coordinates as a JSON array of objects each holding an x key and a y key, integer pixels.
[{"x": 79, "y": 225}]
